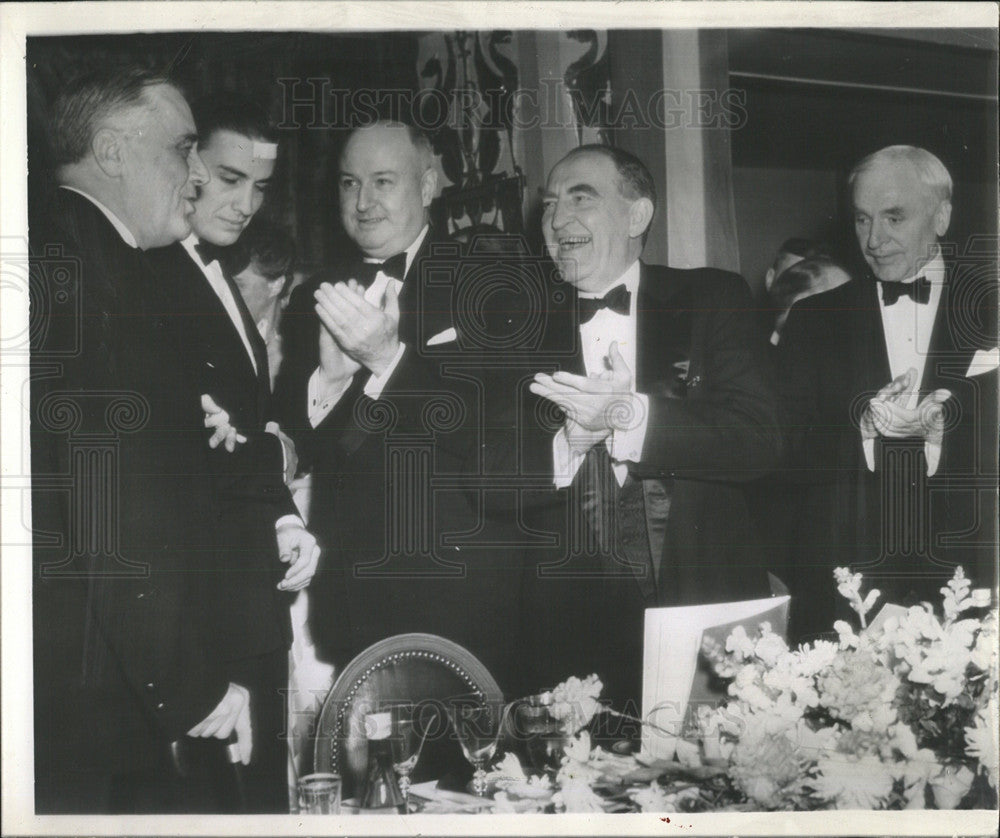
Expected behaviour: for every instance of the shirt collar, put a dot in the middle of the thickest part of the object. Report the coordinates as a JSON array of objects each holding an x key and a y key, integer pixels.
[
  {"x": 116, "y": 222},
  {"x": 411, "y": 251},
  {"x": 189, "y": 245},
  {"x": 933, "y": 270},
  {"x": 630, "y": 279}
]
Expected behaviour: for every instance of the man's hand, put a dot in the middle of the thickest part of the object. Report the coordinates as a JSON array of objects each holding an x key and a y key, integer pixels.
[
  {"x": 368, "y": 335},
  {"x": 297, "y": 547},
  {"x": 216, "y": 417},
  {"x": 231, "y": 714},
  {"x": 580, "y": 439},
  {"x": 887, "y": 414},
  {"x": 597, "y": 404},
  {"x": 335, "y": 367},
  {"x": 925, "y": 421}
]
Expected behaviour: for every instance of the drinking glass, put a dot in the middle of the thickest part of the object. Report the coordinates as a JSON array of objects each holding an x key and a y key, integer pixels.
[
  {"x": 319, "y": 794},
  {"x": 406, "y": 741},
  {"x": 478, "y": 728}
]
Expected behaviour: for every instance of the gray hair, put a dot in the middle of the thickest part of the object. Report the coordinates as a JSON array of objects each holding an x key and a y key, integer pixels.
[
  {"x": 931, "y": 171},
  {"x": 91, "y": 100}
]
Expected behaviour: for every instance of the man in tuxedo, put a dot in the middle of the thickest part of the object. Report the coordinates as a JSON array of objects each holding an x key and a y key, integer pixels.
[
  {"x": 386, "y": 414},
  {"x": 664, "y": 410},
  {"x": 258, "y": 523},
  {"x": 890, "y": 395},
  {"x": 126, "y": 661}
]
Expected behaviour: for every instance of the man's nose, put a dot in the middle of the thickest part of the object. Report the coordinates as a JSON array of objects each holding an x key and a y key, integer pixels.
[
  {"x": 365, "y": 197},
  {"x": 243, "y": 200},
  {"x": 197, "y": 170},
  {"x": 560, "y": 215},
  {"x": 875, "y": 236}
]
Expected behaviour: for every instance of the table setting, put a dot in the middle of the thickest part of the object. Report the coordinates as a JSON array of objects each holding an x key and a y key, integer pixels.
[{"x": 898, "y": 712}]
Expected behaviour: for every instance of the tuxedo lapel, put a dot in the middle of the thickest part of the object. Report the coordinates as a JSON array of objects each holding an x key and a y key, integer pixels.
[
  {"x": 663, "y": 334},
  {"x": 870, "y": 355},
  {"x": 946, "y": 358}
]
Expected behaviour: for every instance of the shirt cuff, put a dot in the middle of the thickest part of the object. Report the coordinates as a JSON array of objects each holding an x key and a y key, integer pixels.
[
  {"x": 932, "y": 452},
  {"x": 565, "y": 462},
  {"x": 868, "y": 446},
  {"x": 289, "y": 521},
  {"x": 376, "y": 383},
  {"x": 319, "y": 408},
  {"x": 627, "y": 442}
]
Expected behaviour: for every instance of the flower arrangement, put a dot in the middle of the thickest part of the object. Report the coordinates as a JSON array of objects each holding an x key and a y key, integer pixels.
[{"x": 902, "y": 714}]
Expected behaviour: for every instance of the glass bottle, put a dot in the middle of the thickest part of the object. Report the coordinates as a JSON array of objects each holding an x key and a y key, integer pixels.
[{"x": 381, "y": 789}]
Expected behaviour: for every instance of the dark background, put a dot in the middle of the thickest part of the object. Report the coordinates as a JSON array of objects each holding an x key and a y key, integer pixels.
[{"x": 817, "y": 100}]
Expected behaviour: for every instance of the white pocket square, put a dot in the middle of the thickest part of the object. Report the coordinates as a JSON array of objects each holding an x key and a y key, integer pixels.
[
  {"x": 446, "y": 336},
  {"x": 985, "y": 360}
]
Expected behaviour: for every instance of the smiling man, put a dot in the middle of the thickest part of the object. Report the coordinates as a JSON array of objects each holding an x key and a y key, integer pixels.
[
  {"x": 267, "y": 552},
  {"x": 890, "y": 389},
  {"x": 362, "y": 342},
  {"x": 126, "y": 659},
  {"x": 666, "y": 409}
]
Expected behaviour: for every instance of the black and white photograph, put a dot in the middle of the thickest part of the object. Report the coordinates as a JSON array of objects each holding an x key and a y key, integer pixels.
[{"x": 553, "y": 418}]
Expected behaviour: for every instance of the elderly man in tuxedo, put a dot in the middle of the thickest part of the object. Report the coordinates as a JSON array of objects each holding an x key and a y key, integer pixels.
[
  {"x": 664, "y": 408},
  {"x": 258, "y": 523},
  {"x": 890, "y": 392},
  {"x": 128, "y": 667},
  {"x": 387, "y": 424}
]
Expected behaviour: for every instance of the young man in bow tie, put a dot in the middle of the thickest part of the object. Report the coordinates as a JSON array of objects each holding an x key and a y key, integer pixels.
[
  {"x": 665, "y": 409},
  {"x": 386, "y": 422},
  {"x": 268, "y": 552},
  {"x": 890, "y": 393}
]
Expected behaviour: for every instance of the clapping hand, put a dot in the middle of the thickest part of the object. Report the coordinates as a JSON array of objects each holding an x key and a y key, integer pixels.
[
  {"x": 594, "y": 405},
  {"x": 217, "y": 418},
  {"x": 888, "y": 416},
  {"x": 367, "y": 335}
]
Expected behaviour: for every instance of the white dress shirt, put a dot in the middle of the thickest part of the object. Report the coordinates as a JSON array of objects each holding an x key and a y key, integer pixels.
[
  {"x": 907, "y": 326},
  {"x": 320, "y": 404},
  {"x": 596, "y": 336},
  {"x": 213, "y": 273}
]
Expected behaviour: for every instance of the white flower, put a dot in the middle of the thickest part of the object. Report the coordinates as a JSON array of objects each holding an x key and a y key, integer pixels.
[
  {"x": 577, "y": 796},
  {"x": 816, "y": 657},
  {"x": 853, "y": 782},
  {"x": 653, "y": 798},
  {"x": 981, "y": 598},
  {"x": 739, "y": 644},
  {"x": 950, "y": 786},
  {"x": 770, "y": 646},
  {"x": 848, "y": 639},
  {"x": 574, "y": 702},
  {"x": 981, "y": 740}
]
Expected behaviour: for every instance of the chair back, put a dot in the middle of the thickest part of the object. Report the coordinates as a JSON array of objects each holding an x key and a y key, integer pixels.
[{"x": 423, "y": 669}]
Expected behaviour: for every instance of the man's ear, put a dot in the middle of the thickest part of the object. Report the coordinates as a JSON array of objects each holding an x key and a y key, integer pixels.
[
  {"x": 108, "y": 152},
  {"x": 769, "y": 279},
  {"x": 942, "y": 218},
  {"x": 428, "y": 185},
  {"x": 639, "y": 216}
]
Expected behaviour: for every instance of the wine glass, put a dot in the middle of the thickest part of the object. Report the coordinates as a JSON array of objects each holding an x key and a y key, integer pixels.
[
  {"x": 406, "y": 742},
  {"x": 478, "y": 727}
]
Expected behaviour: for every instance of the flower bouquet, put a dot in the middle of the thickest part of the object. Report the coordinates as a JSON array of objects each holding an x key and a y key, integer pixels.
[{"x": 901, "y": 714}]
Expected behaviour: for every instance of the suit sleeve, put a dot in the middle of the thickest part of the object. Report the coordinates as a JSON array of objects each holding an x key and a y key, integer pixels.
[{"x": 726, "y": 428}]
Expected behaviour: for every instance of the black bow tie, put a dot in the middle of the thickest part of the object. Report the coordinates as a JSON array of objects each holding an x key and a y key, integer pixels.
[
  {"x": 919, "y": 291},
  {"x": 208, "y": 252},
  {"x": 617, "y": 299},
  {"x": 394, "y": 267}
]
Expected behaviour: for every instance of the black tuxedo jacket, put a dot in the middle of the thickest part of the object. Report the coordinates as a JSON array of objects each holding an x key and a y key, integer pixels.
[
  {"x": 396, "y": 483},
  {"x": 249, "y": 482},
  {"x": 833, "y": 358},
  {"x": 124, "y": 654},
  {"x": 712, "y": 426}
]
